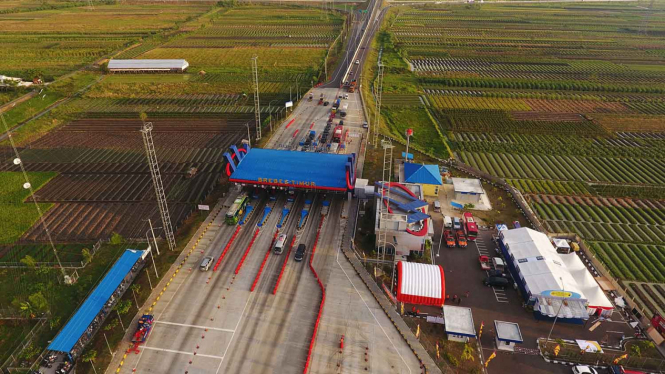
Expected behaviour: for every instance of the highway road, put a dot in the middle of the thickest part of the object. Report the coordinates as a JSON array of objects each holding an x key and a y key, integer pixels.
[{"x": 211, "y": 322}]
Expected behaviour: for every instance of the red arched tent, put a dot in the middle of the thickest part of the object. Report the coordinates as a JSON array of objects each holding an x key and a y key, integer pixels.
[{"x": 420, "y": 284}]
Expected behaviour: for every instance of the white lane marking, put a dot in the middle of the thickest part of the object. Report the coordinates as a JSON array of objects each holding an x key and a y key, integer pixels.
[
  {"x": 195, "y": 326},
  {"x": 370, "y": 310},
  {"x": 234, "y": 333},
  {"x": 180, "y": 352}
]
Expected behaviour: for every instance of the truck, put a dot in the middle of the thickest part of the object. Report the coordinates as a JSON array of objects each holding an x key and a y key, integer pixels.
[
  {"x": 470, "y": 226},
  {"x": 311, "y": 96},
  {"x": 337, "y": 134},
  {"x": 143, "y": 328},
  {"x": 352, "y": 86},
  {"x": 320, "y": 100},
  {"x": 336, "y": 104},
  {"x": 450, "y": 240},
  {"x": 461, "y": 239},
  {"x": 345, "y": 107},
  {"x": 312, "y": 135}
]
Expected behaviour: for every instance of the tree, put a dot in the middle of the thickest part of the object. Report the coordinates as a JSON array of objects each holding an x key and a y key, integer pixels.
[
  {"x": 123, "y": 307},
  {"x": 143, "y": 116},
  {"x": 53, "y": 322},
  {"x": 89, "y": 356},
  {"x": 29, "y": 261},
  {"x": 87, "y": 256},
  {"x": 635, "y": 350},
  {"x": 467, "y": 353},
  {"x": 468, "y": 206},
  {"x": 116, "y": 239},
  {"x": 39, "y": 302}
]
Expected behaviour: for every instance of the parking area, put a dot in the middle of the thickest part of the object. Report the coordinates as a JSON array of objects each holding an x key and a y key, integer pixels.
[{"x": 464, "y": 276}]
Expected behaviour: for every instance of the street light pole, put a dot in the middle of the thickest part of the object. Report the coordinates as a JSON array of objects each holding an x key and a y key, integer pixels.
[
  {"x": 249, "y": 136},
  {"x": 153, "y": 236},
  {"x": 443, "y": 226},
  {"x": 270, "y": 113},
  {"x": 557, "y": 314}
]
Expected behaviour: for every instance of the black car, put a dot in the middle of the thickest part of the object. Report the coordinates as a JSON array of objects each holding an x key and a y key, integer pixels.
[
  {"x": 498, "y": 282},
  {"x": 300, "y": 252},
  {"x": 326, "y": 103}
]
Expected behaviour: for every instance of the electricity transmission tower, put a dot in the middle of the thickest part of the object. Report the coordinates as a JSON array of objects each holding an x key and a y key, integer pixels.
[
  {"x": 157, "y": 183},
  {"x": 257, "y": 109},
  {"x": 385, "y": 197},
  {"x": 379, "y": 93}
]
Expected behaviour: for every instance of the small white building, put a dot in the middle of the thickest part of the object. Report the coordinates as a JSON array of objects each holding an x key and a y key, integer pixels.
[
  {"x": 458, "y": 323},
  {"x": 468, "y": 191},
  {"x": 507, "y": 334},
  {"x": 148, "y": 66}
]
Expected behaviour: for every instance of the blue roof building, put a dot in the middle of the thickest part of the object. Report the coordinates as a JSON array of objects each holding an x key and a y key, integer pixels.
[
  {"x": 426, "y": 175},
  {"x": 307, "y": 170},
  {"x": 88, "y": 311}
]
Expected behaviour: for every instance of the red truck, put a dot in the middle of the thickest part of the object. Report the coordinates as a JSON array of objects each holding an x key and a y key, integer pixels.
[
  {"x": 450, "y": 239},
  {"x": 461, "y": 239},
  {"x": 337, "y": 134},
  {"x": 470, "y": 226}
]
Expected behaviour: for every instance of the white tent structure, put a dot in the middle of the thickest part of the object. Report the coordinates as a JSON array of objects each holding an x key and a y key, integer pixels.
[
  {"x": 587, "y": 285},
  {"x": 553, "y": 283},
  {"x": 420, "y": 284}
]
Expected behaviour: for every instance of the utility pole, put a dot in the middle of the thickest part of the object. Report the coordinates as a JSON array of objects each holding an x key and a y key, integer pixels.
[
  {"x": 28, "y": 186},
  {"x": 257, "y": 108},
  {"x": 379, "y": 92},
  {"x": 157, "y": 183}
]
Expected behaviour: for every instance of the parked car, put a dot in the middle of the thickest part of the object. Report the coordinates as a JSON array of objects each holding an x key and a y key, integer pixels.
[
  {"x": 357, "y": 62},
  {"x": 300, "y": 252},
  {"x": 326, "y": 103},
  {"x": 498, "y": 282},
  {"x": 206, "y": 262},
  {"x": 584, "y": 369}
]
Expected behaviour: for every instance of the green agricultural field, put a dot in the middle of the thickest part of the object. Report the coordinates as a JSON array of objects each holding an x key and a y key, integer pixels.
[
  {"x": 563, "y": 101},
  {"x": 52, "y": 42},
  {"x": 15, "y": 215}
]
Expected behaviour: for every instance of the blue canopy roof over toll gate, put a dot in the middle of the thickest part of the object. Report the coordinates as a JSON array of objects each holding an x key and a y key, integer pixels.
[
  {"x": 311, "y": 170},
  {"x": 75, "y": 328}
]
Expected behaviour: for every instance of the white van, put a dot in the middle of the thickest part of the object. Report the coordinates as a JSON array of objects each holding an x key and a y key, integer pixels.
[
  {"x": 279, "y": 244},
  {"x": 457, "y": 223},
  {"x": 448, "y": 222},
  {"x": 437, "y": 206},
  {"x": 498, "y": 264}
]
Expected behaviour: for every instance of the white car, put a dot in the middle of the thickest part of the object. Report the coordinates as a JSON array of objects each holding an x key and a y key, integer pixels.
[
  {"x": 584, "y": 369},
  {"x": 357, "y": 62}
]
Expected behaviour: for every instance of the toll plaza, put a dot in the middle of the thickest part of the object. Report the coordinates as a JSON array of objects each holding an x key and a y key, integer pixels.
[{"x": 283, "y": 169}]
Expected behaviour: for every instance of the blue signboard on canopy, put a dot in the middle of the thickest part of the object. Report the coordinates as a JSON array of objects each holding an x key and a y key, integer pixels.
[{"x": 456, "y": 205}]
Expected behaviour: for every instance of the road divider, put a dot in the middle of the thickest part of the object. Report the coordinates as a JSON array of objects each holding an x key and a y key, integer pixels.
[
  {"x": 226, "y": 249},
  {"x": 323, "y": 296},
  {"x": 295, "y": 133},
  {"x": 251, "y": 242},
  {"x": 286, "y": 259},
  {"x": 265, "y": 259},
  {"x": 290, "y": 123}
]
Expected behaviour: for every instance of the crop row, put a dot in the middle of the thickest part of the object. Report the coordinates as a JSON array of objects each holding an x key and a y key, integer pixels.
[
  {"x": 610, "y": 231},
  {"x": 568, "y": 168},
  {"x": 122, "y": 105},
  {"x": 641, "y": 262},
  {"x": 649, "y": 297},
  {"x": 501, "y": 122},
  {"x": 638, "y": 192},
  {"x": 557, "y": 144},
  {"x": 86, "y": 222},
  {"x": 585, "y": 213},
  {"x": 549, "y": 187},
  {"x": 602, "y": 202}
]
